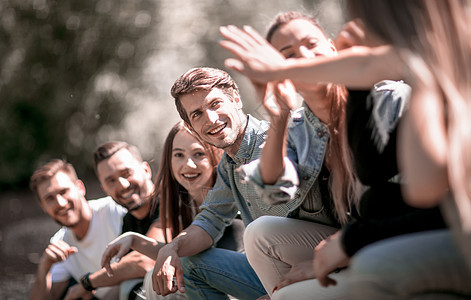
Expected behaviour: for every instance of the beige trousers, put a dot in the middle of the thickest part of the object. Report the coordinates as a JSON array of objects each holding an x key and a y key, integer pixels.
[
  {"x": 311, "y": 289},
  {"x": 274, "y": 244}
]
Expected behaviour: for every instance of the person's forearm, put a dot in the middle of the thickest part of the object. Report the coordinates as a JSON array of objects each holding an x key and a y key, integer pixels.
[
  {"x": 191, "y": 241},
  {"x": 358, "y": 67},
  {"x": 146, "y": 245},
  {"x": 271, "y": 161},
  {"x": 42, "y": 285},
  {"x": 423, "y": 153},
  {"x": 132, "y": 265}
]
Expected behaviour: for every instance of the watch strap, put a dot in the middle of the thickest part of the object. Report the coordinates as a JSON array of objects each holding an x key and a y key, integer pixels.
[{"x": 85, "y": 282}]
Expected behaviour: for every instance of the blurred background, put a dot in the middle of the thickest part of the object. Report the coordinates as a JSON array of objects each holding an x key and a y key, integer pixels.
[{"x": 75, "y": 74}]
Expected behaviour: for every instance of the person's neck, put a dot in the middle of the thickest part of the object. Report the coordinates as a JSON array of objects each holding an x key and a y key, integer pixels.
[
  {"x": 81, "y": 228},
  {"x": 199, "y": 195},
  {"x": 142, "y": 211},
  {"x": 234, "y": 148},
  {"x": 318, "y": 103}
]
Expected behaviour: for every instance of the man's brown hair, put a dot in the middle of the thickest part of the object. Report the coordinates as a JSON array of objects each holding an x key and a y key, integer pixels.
[
  {"x": 48, "y": 170},
  {"x": 107, "y": 150},
  {"x": 201, "y": 79}
]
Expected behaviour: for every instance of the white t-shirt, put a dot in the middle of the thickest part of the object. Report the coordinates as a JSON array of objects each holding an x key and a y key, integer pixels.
[{"x": 105, "y": 226}]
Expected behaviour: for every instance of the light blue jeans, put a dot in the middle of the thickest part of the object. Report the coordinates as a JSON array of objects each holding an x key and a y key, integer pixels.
[
  {"x": 425, "y": 265},
  {"x": 215, "y": 273}
]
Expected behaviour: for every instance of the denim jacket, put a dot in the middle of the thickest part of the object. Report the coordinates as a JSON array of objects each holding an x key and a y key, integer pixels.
[
  {"x": 307, "y": 142},
  {"x": 231, "y": 193}
]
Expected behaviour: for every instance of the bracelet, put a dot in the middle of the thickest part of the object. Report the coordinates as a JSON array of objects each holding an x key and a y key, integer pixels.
[{"x": 85, "y": 281}]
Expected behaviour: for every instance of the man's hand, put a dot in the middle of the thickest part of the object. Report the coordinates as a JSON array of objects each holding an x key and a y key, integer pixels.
[
  {"x": 255, "y": 57},
  {"x": 77, "y": 291},
  {"x": 58, "y": 251},
  {"x": 116, "y": 248},
  {"x": 285, "y": 97},
  {"x": 329, "y": 256},
  {"x": 167, "y": 266},
  {"x": 299, "y": 272}
]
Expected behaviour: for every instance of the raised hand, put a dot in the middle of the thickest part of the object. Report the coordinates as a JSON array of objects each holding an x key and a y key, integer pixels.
[
  {"x": 352, "y": 34},
  {"x": 58, "y": 251},
  {"x": 255, "y": 57}
]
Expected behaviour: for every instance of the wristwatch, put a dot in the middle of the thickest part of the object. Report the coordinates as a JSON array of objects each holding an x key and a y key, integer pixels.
[{"x": 85, "y": 281}]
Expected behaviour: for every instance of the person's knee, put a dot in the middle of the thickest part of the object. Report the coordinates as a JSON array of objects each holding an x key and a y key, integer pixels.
[
  {"x": 258, "y": 237},
  {"x": 369, "y": 275},
  {"x": 260, "y": 228}
]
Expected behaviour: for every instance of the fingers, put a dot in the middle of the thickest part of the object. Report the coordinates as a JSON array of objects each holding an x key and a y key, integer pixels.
[
  {"x": 238, "y": 36},
  {"x": 109, "y": 253},
  {"x": 321, "y": 245},
  {"x": 255, "y": 35},
  {"x": 59, "y": 251},
  {"x": 169, "y": 284},
  {"x": 325, "y": 281},
  {"x": 180, "y": 281},
  {"x": 285, "y": 93},
  {"x": 352, "y": 34},
  {"x": 282, "y": 283},
  {"x": 163, "y": 284},
  {"x": 234, "y": 64},
  {"x": 155, "y": 282}
]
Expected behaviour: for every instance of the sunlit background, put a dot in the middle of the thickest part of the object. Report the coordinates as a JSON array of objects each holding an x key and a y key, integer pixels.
[{"x": 75, "y": 74}]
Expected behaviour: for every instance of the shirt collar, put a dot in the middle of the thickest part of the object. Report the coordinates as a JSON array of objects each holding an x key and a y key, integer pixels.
[{"x": 252, "y": 131}]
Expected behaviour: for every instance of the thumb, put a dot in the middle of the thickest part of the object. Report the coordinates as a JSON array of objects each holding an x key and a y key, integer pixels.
[{"x": 72, "y": 250}]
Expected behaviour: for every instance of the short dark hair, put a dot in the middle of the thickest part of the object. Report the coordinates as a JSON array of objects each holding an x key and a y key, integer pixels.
[
  {"x": 48, "y": 170},
  {"x": 201, "y": 79},
  {"x": 108, "y": 149}
]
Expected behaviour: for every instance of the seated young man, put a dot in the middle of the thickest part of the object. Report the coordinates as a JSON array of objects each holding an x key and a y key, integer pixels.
[{"x": 88, "y": 226}]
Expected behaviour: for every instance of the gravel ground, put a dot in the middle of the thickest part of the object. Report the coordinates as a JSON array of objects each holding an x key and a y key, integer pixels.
[{"x": 24, "y": 233}]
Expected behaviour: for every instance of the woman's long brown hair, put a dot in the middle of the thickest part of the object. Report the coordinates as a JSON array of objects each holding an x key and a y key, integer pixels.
[
  {"x": 345, "y": 187},
  {"x": 175, "y": 203}
]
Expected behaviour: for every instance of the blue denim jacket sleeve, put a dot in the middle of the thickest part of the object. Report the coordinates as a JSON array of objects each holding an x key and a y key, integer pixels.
[
  {"x": 284, "y": 188},
  {"x": 218, "y": 209}
]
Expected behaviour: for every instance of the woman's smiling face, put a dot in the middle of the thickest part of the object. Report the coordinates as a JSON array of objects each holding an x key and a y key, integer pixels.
[
  {"x": 191, "y": 165},
  {"x": 300, "y": 38}
]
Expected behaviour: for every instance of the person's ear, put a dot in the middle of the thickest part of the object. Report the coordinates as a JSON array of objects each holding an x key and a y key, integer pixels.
[
  {"x": 41, "y": 203},
  {"x": 237, "y": 99},
  {"x": 147, "y": 169},
  {"x": 332, "y": 46},
  {"x": 80, "y": 187}
]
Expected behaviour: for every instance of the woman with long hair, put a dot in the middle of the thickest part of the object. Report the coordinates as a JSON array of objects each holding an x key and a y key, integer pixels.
[
  {"x": 319, "y": 152},
  {"x": 432, "y": 42},
  {"x": 426, "y": 43},
  {"x": 187, "y": 171}
]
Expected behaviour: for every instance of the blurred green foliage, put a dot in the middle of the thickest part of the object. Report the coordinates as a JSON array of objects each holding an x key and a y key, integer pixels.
[
  {"x": 75, "y": 74},
  {"x": 65, "y": 67}
]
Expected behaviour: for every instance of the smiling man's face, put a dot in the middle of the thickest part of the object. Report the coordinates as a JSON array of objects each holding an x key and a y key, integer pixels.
[
  {"x": 61, "y": 198},
  {"x": 216, "y": 117},
  {"x": 126, "y": 179}
]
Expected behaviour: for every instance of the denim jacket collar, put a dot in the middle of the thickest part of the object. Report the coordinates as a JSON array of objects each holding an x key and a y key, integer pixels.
[{"x": 244, "y": 154}]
